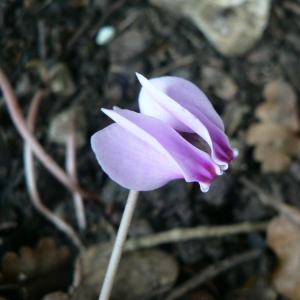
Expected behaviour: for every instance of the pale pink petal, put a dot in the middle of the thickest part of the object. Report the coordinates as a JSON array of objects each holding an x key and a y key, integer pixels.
[
  {"x": 186, "y": 117},
  {"x": 194, "y": 164},
  {"x": 183, "y": 92},
  {"x": 131, "y": 162}
]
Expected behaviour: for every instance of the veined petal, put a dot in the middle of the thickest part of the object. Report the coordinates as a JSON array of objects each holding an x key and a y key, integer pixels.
[
  {"x": 182, "y": 115},
  {"x": 131, "y": 162},
  {"x": 195, "y": 165}
]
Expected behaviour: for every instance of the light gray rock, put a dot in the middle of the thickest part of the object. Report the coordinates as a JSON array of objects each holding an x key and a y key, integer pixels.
[
  {"x": 59, "y": 127},
  {"x": 128, "y": 45},
  {"x": 232, "y": 26}
]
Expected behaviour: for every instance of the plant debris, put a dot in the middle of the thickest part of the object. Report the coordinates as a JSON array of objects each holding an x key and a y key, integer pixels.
[
  {"x": 275, "y": 136},
  {"x": 32, "y": 263},
  {"x": 283, "y": 236}
]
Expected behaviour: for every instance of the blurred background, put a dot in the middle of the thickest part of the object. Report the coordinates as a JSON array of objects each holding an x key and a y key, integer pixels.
[{"x": 78, "y": 56}]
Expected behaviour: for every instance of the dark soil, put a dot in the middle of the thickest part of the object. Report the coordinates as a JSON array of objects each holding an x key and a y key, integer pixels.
[{"x": 37, "y": 35}]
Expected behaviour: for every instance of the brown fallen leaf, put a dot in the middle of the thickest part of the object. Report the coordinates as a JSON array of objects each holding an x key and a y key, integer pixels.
[
  {"x": 275, "y": 137},
  {"x": 273, "y": 160},
  {"x": 283, "y": 237},
  {"x": 280, "y": 106},
  {"x": 30, "y": 263}
]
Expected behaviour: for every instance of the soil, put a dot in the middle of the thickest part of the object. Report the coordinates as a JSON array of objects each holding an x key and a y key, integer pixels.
[{"x": 38, "y": 36}]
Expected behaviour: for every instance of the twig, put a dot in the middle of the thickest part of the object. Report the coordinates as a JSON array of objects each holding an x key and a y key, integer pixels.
[
  {"x": 273, "y": 201},
  {"x": 178, "y": 235},
  {"x": 42, "y": 35},
  {"x": 84, "y": 27},
  {"x": 50, "y": 164},
  {"x": 71, "y": 168},
  {"x": 7, "y": 226},
  {"x": 81, "y": 30},
  {"x": 185, "y": 234},
  {"x": 213, "y": 271},
  {"x": 31, "y": 180},
  {"x": 291, "y": 6},
  {"x": 118, "y": 246},
  {"x": 78, "y": 271}
]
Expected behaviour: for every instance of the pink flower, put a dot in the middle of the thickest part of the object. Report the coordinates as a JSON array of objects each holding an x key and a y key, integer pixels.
[{"x": 178, "y": 134}]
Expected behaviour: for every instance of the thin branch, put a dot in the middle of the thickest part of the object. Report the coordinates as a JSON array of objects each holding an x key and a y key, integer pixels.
[
  {"x": 84, "y": 27},
  {"x": 180, "y": 62},
  {"x": 118, "y": 246},
  {"x": 213, "y": 271},
  {"x": 71, "y": 169},
  {"x": 78, "y": 271},
  {"x": 50, "y": 164},
  {"x": 31, "y": 180},
  {"x": 8, "y": 226},
  {"x": 185, "y": 234}
]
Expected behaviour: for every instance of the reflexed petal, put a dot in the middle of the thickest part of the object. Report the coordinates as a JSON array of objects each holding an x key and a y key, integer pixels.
[
  {"x": 183, "y": 92},
  {"x": 186, "y": 117},
  {"x": 131, "y": 162},
  {"x": 194, "y": 164}
]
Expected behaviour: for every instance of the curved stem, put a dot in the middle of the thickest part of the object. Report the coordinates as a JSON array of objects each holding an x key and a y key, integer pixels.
[
  {"x": 18, "y": 119},
  {"x": 119, "y": 244},
  {"x": 31, "y": 179}
]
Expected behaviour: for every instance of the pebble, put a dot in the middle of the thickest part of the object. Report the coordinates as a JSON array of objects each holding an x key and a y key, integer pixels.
[
  {"x": 59, "y": 128},
  {"x": 232, "y": 26},
  {"x": 62, "y": 83},
  {"x": 129, "y": 45},
  {"x": 141, "y": 273},
  {"x": 105, "y": 35}
]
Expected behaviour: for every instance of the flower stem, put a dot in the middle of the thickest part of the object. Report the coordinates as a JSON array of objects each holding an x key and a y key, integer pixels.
[{"x": 119, "y": 244}]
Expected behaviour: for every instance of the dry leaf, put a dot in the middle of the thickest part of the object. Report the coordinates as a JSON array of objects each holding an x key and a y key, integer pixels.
[
  {"x": 283, "y": 237},
  {"x": 280, "y": 106},
  {"x": 275, "y": 136},
  {"x": 273, "y": 160},
  {"x": 31, "y": 263}
]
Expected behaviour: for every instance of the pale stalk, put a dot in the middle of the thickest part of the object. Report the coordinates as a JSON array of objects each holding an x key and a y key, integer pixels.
[{"x": 118, "y": 246}]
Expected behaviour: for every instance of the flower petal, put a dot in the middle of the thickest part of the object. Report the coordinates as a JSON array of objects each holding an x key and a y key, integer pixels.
[
  {"x": 183, "y": 92},
  {"x": 194, "y": 164},
  {"x": 130, "y": 161},
  {"x": 186, "y": 117}
]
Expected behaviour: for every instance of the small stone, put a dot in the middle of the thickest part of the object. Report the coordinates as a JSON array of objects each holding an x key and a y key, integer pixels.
[
  {"x": 128, "y": 45},
  {"x": 56, "y": 296},
  {"x": 59, "y": 128},
  {"x": 105, "y": 35},
  {"x": 62, "y": 83},
  {"x": 140, "y": 227},
  {"x": 141, "y": 273},
  {"x": 232, "y": 26}
]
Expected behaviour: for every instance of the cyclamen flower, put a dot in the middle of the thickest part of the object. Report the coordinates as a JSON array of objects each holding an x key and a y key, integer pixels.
[{"x": 178, "y": 134}]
